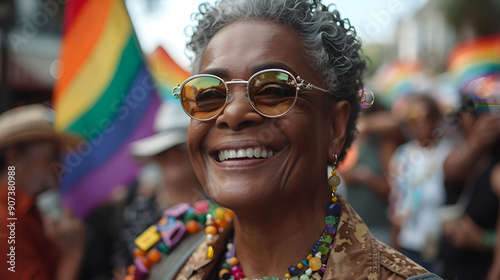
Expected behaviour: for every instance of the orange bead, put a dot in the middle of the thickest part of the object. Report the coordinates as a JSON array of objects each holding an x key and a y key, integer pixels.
[
  {"x": 222, "y": 223},
  {"x": 334, "y": 199},
  {"x": 211, "y": 230},
  {"x": 129, "y": 277},
  {"x": 315, "y": 264},
  {"x": 233, "y": 261},
  {"x": 222, "y": 272},
  {"x": 131, "y": 270},
  {"x": 217, "y": 223},
  {"x": 147, "y": 263},
  {"x": 192, "y": 226},
  {"x": 139, "y": 253},
  {"x": 229, "y": 214},
  {"x": 154, "y": 255}
]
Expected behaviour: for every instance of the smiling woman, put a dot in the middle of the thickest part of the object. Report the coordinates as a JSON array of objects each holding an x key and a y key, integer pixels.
[{"x": 273, "y": 104}]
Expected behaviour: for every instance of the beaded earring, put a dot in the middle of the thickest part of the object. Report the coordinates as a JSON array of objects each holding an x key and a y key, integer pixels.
[{"x": 334, "y": 180}]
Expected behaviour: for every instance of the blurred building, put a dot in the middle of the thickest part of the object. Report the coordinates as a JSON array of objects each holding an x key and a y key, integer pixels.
[
  {"x": 30, "y": 33},
  {"x": 426, "y": 37}
]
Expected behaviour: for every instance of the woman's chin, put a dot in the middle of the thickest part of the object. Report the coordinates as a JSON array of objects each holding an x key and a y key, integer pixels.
[{"x": 239, "y": 197}]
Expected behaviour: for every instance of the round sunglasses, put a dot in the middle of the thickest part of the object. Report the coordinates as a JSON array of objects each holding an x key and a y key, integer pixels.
[{"x": 272, "y": 93}]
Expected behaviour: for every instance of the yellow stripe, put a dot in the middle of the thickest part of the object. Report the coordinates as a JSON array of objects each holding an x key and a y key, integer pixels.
[{"x": 98, "y": 70}]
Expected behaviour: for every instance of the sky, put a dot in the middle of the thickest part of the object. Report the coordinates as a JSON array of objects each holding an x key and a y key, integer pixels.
[{"x": 165, "y": 24}]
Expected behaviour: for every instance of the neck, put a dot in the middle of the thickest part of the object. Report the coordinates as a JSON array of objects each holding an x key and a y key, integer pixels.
[
  {"x": 172, "y": 193},
  {"x": 270, "y": 239}
]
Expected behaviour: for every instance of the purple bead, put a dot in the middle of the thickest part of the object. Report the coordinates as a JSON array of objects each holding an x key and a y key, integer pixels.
[
  {"x": 229, "y": 254},
  {"x": 322, "y": 271},
  {"x": 293, "y": 270},
  {"x": 140, "y": 269},
  {"x": 330, "y": 229},
  {"x": 173, "y": 235},
  {"x": 177, "y": 210},
  {"x": 332, "y": 209}
]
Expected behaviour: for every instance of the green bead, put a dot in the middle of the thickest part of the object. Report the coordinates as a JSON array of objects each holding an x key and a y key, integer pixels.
[
  {"x": 304, "y": 277},
  {"x": 323, "y": 250},
  {"x": 330, "y": 220},
  {"x": 226, "y": 266},
  {"x": 202, "y": 219},
  {"x": 327, "y": 239},
  {"x": 163, "y": 248},
  {"x": 188, "y": 217},
  {"x": 270, "y": 278}
]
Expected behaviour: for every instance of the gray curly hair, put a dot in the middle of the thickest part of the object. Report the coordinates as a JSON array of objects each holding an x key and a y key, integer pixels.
[{"x": 331, "y": 42}]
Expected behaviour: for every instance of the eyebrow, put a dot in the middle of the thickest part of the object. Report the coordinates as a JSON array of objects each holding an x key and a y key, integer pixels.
[
  {"x": 272, "y": 65},
  {"x": 219, "y": 72},
  {"x": 223, "y": 72}
]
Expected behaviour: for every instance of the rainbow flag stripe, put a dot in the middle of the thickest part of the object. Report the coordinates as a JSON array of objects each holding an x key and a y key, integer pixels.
[
  {"x": 473, "y": 59},
  {"x": 397, "y": 79},
  {"x": 166, "y": 71},
  {"x": 105, "y": 94}
]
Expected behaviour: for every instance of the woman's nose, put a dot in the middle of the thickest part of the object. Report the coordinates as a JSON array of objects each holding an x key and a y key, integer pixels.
[{"x": 238, "y": 112}]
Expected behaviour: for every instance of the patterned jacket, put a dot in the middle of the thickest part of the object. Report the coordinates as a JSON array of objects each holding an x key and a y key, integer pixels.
[{"x": 356, "y": 254}]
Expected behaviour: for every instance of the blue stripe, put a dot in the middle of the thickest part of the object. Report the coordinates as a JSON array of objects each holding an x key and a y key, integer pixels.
[{"x": 85, "y": 159}]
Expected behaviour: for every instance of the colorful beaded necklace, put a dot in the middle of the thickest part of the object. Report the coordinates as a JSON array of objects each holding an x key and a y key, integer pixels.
[
  {"x": 316, "y": 260},
  {"x": 177, "y": 222},
  {"x": 160, "y": 238}
]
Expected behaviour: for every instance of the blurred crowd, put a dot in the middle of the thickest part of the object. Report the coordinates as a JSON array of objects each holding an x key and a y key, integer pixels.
[{"x": 427, "y": 182}]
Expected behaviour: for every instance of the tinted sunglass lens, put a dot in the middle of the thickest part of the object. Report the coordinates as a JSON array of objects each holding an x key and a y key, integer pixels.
[
  {"x": 272, "y": 93},
  {"x": 203, "y": 97}
]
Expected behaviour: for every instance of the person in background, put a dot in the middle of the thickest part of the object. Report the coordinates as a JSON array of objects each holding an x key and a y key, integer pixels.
[
  {"x": 168, "y": 178},
  {"x": 468, "y": 239},
  {"x": 368, "y": 190},
  {"x": 416, "y": 178},
  {"x": 46, "y": 248},
  {"x": 494, "y": 270}
]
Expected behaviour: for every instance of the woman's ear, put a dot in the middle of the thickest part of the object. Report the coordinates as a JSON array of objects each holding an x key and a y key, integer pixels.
[{"x": 338, "y": 117}]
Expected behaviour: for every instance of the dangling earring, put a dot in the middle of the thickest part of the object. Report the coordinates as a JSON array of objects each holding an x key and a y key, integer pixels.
[{"x": 334, "y": 180}]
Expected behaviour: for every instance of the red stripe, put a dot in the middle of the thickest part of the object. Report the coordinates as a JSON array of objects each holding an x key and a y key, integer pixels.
[{"x": 71, "y": 11}]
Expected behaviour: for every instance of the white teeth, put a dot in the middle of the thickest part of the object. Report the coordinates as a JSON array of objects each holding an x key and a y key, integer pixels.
[
  {"x": 263, "y": 153},
  {"x": 249, "y": 152},
  {"x": 241, "y": 153},
  {"x": 256, "y": 152},
  {"x": 245, "y": 153}
]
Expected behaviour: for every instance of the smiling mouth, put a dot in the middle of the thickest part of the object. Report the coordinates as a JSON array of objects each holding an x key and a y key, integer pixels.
[{"x": 250, "y": 153}]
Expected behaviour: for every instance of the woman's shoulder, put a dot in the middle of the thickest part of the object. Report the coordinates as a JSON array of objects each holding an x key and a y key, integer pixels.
[
  {"x": 395, "y": 265},
  {"x": 357, "y": 254}
]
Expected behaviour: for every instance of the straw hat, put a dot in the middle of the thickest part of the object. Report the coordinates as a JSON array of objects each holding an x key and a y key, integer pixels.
[
  {"x": 171, "y": 126},
  {"x": 28, "y": 124}
]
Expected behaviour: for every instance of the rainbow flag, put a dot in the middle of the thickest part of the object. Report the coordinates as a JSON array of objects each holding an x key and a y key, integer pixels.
[
  {"x": 167, "y": 73},
  {"x": 474, "y": 59},
  {"x": 105, "y": 94},
  {"x": 397, "y": 79}
]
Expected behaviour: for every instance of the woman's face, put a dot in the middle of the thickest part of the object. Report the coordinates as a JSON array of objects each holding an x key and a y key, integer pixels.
[
  {"x": 300, "y": 141},
  {"x": 423, "y": 124}
]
